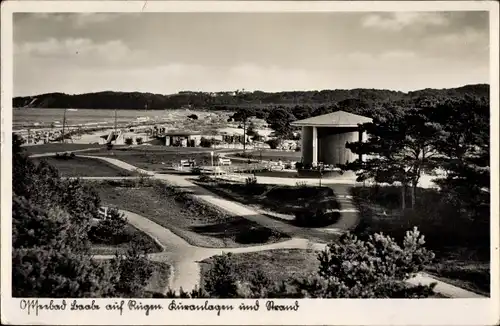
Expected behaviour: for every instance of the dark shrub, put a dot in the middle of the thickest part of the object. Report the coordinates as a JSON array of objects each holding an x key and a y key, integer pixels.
[
  {"x": 205, "y": 142},
  {"x": 318, "y": 213},
  {"x": 256, "y": 235},
  {"x": 220, "y": 280},
  {"x": 109, "y": 146},
  {"x": 129, "y": 141},
  {"x": 138, "y": 140},
  {"x": 110, "y": 229},
  {"x": 299, "y": 193},
  {"x": 273, "y": 143}
]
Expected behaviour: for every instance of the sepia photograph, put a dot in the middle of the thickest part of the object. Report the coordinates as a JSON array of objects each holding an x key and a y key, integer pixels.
[{"x": 272, "y": 155}]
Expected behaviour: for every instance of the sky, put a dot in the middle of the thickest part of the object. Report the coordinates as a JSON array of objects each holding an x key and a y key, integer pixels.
[{"x": 169, "y": 52}]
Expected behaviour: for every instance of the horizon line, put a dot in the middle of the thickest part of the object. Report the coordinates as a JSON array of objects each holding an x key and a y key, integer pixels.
[{"x": 257, "y": 90}]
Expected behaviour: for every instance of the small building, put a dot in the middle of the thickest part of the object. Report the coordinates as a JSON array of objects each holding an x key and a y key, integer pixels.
[
  {"x": 324, "y": 137},
  {"x": 185, "y": 138}
]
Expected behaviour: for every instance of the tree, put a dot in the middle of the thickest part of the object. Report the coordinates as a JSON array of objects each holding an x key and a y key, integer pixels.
[
  {"x": 134, "y": 270},
  {"x": 400, "y": 149},
  {"x": 463, "y": 145},
  {"x": 243, "y": 115},
  {"x": 251, "y": 129},
  {"x": 193, "y": 117},
  {"x": 273, "y": 143},
  {"x": 220, "y": 281},
  {"x": 279, "y": 120}
]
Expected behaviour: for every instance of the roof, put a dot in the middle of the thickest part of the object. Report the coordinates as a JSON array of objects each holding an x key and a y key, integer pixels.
[
  {"x": 181, "y": 133},
  {"x": 334, "y": 119}
]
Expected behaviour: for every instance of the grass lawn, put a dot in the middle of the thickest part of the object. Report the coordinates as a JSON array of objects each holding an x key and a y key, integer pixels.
[
  {"x": 274, "y": 199},
  {"x": 59, "y": 147},
  {"x": 461, "y": 246},
  {"x": 198, "y": 223},
  {"x": 156, "y": 160},
  {"x": 275, "y": 155},
  {"x": 120, "y": 245},
  {"x": 84, "y": 167},
  {"x": 470, "y": 275},
  {"x": 278, "y": 264}
]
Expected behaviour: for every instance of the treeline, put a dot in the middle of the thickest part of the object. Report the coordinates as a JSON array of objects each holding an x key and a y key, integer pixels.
[{"x": 311, "y": 100}]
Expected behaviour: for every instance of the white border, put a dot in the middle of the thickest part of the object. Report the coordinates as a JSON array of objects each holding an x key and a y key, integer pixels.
[{"x": 313, "y": 312}]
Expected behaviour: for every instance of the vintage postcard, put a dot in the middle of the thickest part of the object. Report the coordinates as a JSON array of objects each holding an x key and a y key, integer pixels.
[{"x": 249, "y": 162}]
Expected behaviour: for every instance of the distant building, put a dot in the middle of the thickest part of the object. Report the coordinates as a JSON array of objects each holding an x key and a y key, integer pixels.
[{"x": 185, "y": 138}]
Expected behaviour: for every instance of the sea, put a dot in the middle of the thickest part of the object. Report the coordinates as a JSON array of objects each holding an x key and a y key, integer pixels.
[{"x": 44, "y": 118}]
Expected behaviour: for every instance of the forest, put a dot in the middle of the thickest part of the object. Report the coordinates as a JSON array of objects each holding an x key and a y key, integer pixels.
[{"x": 294, "y": 100}]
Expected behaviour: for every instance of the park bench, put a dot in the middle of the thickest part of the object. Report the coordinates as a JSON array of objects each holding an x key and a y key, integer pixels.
[
  {"x": 187, "y": 163},
  {"x": 224, "y": 161},
  {"x": 276, "y": 165}
]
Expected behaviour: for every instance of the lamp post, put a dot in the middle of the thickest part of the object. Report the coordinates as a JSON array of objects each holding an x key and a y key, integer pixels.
[
  {"x": 320, "y": 168},
  {"x": 64, "y": 126}
]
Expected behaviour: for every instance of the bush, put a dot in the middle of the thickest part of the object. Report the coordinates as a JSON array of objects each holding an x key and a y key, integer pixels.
[
  {"x": 129, "y": 141},
  {"x": 318, "y": 213},
  {"x": 196, "y": 170},
  {"x": 273, "y": 143},
  {"x": 109, "y": 146},
  {"x": 138, "y": 140},
  {"x": 375, "y": 268},
  {"x": 301, "y": 184},
  {"x": 207, "y": 142},
  {"x": 256, "y": 235},
  {"x": 109, "y": 229},
  {"x": 257, "y": 286},
  {"x": 250, "y": 181},
  {"x": 220, "y": 281},
  {"x": 134, "y": 271},
  {"x": 245, "y": 155}
]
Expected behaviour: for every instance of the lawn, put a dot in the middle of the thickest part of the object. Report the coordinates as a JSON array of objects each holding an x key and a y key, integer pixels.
[
  {"x": 59, "y": 147},
  {"x": 274, "y": 155},
  {"x": 461, "y": 245},
  {"x": 84, "y": 167},
  {"x": 154, "y": 159},
  {"x": 276, "y": 200},
  {"x": 197, "y": 222},
  {"x": 278, "y": 264},
  {"x": 121, "y": 244}
]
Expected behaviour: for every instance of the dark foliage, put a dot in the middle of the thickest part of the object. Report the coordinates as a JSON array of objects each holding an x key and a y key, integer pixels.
[{"x": 51, "y": 222}]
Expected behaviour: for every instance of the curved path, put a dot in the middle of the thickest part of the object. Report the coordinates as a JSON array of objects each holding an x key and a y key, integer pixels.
[{"x": 184, "y": 257}]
